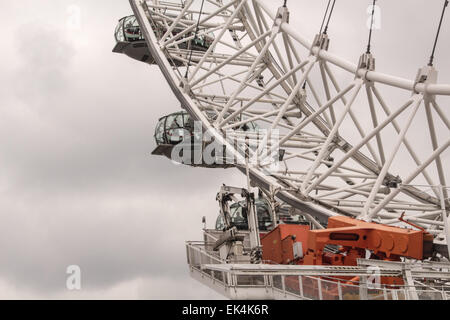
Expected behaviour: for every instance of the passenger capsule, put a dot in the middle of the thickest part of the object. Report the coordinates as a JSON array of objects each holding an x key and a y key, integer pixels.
[
  {"x": 131, "y": 42},
  {"x": 239, "y": 218},
  {"x": 176, "y": 135},
  {"x": 238, "y": 212}
]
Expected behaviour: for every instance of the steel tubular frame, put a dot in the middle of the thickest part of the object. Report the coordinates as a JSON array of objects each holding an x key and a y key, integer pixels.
[{"x": 260, "y": 69}]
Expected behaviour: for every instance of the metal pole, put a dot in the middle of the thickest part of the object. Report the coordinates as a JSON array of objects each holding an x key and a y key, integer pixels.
[{"x": 445, "y": 218}]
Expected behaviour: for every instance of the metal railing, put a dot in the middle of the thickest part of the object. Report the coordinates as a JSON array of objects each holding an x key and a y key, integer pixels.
[{"x": 298, "y": 286}]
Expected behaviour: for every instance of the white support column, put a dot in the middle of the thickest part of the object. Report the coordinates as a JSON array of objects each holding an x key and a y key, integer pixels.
[
  {"x": 340, "y": 290},
  {"x": 445, "y": 218},
  {"x": 434, "y": 143},
  {"x": 441, "y": 114},
  {"x": 319, "y": 287},
  {"x": 375, "y": 122},
  {"x": 394, "y": 294},
  {"x": 300, "y": 285},
  {"x": 412, "y": 293},
  {"x": 363, "y": 288}
]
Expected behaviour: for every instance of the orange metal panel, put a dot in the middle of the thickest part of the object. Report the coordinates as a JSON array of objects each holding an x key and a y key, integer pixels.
[{"x": 278, "y": 244}]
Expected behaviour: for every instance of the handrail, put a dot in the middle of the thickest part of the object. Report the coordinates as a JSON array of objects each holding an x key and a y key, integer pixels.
[{"x": 328, "y": 288}]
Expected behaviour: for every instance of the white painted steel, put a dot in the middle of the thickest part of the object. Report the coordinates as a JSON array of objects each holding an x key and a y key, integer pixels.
[{"x": 337, "y": 156}]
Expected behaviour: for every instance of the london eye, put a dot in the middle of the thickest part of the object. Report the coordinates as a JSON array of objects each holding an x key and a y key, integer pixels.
[{"x": 343, "y": 186}]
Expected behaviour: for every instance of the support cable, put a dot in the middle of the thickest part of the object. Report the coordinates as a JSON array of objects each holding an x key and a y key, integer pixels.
[
  {"x": 325, "y": 16},
  {"x": 195, "y": 36},
  {"x": 437, "y": 34},
  {"x": 329, "y": 18},
  {"x": 371, "y": 27}
]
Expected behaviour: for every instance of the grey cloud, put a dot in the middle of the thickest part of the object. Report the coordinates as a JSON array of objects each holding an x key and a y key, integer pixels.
[{"x": 45, "y": 58}]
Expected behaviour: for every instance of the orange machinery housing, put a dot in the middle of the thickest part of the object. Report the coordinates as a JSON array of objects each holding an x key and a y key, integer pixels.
[
  {"x": 353, "y": 236},
  {"x": 278, "y": 245}
]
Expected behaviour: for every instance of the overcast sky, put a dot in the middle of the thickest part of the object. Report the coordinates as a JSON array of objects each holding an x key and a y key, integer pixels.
[{"x": 77, "y": 183}]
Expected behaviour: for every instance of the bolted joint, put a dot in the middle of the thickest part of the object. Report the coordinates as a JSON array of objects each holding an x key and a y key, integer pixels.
[
  {"x": 260, "y": 81},
  {"x": 303, "y": 96},
  {"x": 392, "y": 182},
  {"x": 185, "y": 85},
  {"x": 300, "y": 98},
  {"x": 426, "y": 75},
  {"x": 321, "y": 41},
  {"x": 367, "y": 62},
  {"x": 283, "y": 15}
]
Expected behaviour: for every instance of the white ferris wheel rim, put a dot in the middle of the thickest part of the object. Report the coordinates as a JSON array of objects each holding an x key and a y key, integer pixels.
[{"x": 257, "y": 175}]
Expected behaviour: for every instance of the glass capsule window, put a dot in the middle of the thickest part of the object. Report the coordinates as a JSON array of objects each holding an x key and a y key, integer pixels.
[
  {"x": 159, "y": 133},
  {"x": 239, "y": 218},
  {"x": 119, "y": 35},
  {"x": 128, "y": 30},
  {"x": 174, "y": 128}
]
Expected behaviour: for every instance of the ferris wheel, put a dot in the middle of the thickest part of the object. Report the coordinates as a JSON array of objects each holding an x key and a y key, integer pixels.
[{"x": 347, "y": 149}]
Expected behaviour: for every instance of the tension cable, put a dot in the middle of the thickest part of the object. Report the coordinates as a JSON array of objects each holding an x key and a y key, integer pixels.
[
  {"x": 371, "y": 27},
  {"x": 325, "y": 16},
  {"x": 195, "y": 37},
  {"x": 437, "y": 34},
  {"x": 329, "y": 17}
]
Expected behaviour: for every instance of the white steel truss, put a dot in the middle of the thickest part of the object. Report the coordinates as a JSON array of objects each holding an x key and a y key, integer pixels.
[{"x": 348, "y": 150}]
